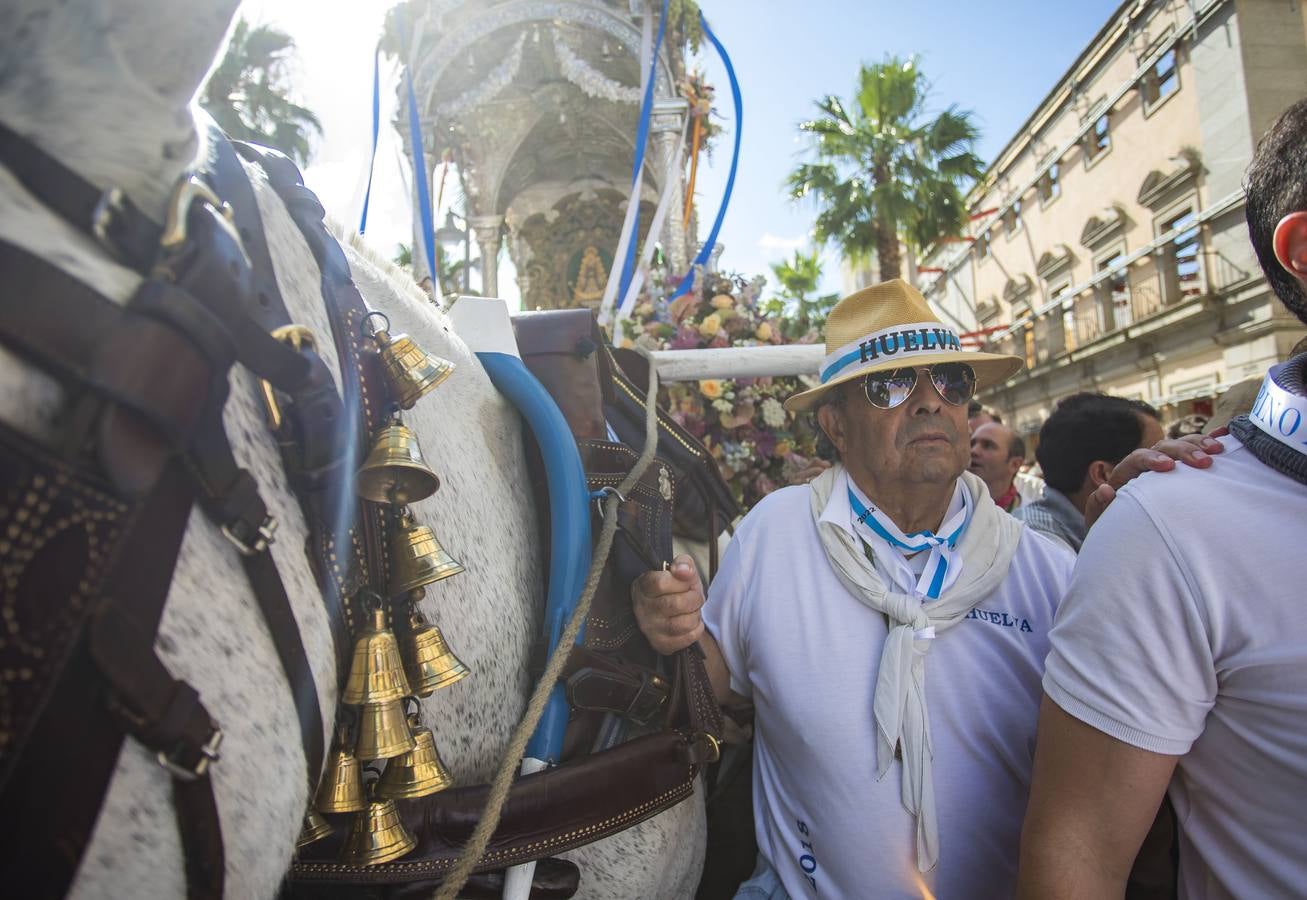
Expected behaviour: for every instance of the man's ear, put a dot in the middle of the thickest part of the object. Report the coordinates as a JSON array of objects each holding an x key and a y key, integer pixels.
[
  {"x": 1099, "y": 470},
  {"x": 1290, "y": 243},
  {"x": 831, "y": 421},
  {"x": 1014, "y": 465}
]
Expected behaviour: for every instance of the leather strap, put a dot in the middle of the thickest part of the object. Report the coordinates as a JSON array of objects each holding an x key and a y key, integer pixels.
[
  {"x": 73, "y": 748},
  {"x": 107, "y": 214},
  {"x": 597, "y": 689},
  {"x": 64, "y": 327},
  {"x": 312, "y": 435},
  {"x": 602, "y": 794},
  {"x": 553, "y": 879},
  {"x": 230, "y": 498},
  {"x": 362, "y": 382}
]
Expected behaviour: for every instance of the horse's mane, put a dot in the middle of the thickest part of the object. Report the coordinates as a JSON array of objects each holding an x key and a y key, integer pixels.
[{"x": 401, "y": 278}]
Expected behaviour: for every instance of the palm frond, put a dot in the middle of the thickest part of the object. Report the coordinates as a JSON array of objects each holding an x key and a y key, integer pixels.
[{"x": 884, "y": 167}]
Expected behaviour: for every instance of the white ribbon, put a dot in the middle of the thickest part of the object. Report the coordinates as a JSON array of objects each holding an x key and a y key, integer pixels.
[
  {"x": 1279, "y": 413},
  {"x": 655, "y": 227},
  {"x": 633, "y": 202},
  {"x": 897, "y": 341},
  {"x": 944, "y": 563}
]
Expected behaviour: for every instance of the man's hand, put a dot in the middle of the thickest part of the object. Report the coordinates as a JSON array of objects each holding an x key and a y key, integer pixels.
[
  {"x": 667, "y": 606},
  {"x": 1193, "y": 450}
]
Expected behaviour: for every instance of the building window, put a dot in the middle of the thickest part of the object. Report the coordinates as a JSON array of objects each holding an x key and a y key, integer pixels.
[
  {"x": 1051, "y": 338},
  {"x": 1012, "y": 218},
  {"x": 1162, "y": 80},
  {"x": 1113, "y": 291},
  {"x": 1099, "y": 139},
  {"x": 982, "y": 246},
  {"x": 1184, "y": 252},
  {"x": 1050, "y": 185},
  {"x": 1062, "y": 292}
]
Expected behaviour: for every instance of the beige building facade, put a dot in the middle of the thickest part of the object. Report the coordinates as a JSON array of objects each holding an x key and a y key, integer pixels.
[{"x": 1108, "y": 244}]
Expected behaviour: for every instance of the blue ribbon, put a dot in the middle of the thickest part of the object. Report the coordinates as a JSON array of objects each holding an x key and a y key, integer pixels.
[
  {"x": 641, "y": 138},
  {"x": 419, "y": 163},
  {"x": 569, "y": 522},
  {"x": 376, "y": 130},
  {"x": 866, "y": 517},
  {"x": 420, "y": 173},
  {"x": 706, "y": 250}
]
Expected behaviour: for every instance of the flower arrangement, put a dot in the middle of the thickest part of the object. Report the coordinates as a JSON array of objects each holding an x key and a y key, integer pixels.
[{"x": 757, "y": 444}]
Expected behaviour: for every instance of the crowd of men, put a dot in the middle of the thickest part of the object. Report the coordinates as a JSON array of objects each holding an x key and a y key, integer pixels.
[{"x": 965, "y": 687}]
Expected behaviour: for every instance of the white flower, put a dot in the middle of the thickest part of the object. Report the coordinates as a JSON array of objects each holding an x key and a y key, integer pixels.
[{"x": 773, "y": 414}]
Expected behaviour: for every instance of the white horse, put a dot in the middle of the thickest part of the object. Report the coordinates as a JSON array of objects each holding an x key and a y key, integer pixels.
[{"x": 105, "y": 86}]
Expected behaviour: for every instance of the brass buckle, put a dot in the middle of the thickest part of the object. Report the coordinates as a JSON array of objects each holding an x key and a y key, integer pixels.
[
  {"x": 297, "y": 336},
  {"x": 188, "y": 190},
  {"x": 208, "y": 754},
  {"x": 266, "y": 534},
  {"x": 713, "y": 748}
]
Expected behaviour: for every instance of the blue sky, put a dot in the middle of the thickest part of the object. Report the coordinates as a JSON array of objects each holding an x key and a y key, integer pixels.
[{"x": 996, "y": 59}]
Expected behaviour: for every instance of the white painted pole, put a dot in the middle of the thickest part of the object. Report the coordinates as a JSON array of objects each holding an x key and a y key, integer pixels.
[
  {"x": 739, "y": 362},
  {"x": 518, "y": 878}
]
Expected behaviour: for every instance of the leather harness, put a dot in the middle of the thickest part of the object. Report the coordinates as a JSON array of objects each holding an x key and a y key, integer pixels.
[{"x": 88, "y": 561}]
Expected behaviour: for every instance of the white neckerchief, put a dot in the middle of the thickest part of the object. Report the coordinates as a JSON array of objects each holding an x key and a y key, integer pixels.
[
  {"x": 899, "y": 700},
  {"x": 943, "y": 562}
]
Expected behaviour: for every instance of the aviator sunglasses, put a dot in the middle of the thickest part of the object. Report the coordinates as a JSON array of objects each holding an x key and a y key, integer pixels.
[{"x": 954, "y": 381}]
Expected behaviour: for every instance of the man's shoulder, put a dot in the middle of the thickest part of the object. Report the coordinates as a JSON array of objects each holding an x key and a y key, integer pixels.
[
  {"x": 780, "y": 505},
  {"x": 1033, "y": 508},
  {"x": 1040, "y": 554},
  {"x": 1186, "y": 498}
]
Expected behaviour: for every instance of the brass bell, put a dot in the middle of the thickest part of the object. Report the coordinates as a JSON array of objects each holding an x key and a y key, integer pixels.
[
  {"x": 315, "y": 828},
  {"x": 410, "y": 371},
  {"x": 383, "y": 731},
  {"x": 377, "y": 835},
  {"x": 376, "y": 673},
  {"x": 394, "y": 471},
  {"x": 341, "y": 788},
  {"x": 429, "y": 662},
  {"x": 417, "y": 773},
  {"x": 417, "y": 557}
]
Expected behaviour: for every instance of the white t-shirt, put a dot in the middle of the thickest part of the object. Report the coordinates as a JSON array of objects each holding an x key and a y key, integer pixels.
[
  {"x": 1184, "y": 632},
  {"x": 807, "y": 651}
]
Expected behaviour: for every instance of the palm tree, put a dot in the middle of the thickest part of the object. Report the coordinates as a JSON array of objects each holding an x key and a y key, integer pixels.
[
  {"x": 885, "y": 169},
  {"x": 248, "y": 93},
  {"x": 451, "y": 271},
  {"x": 797, "y": 278}
]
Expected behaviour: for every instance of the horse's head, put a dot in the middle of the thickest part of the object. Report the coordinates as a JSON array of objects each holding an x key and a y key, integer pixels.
[{"x": 106, "y": 86}]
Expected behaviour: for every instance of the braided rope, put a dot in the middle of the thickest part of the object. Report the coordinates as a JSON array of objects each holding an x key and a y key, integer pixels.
[{"x": 503, "y": 780}]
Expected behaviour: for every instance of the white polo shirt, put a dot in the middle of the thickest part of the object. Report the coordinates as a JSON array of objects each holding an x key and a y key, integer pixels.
[
  {"x": 807, "y": 652},
  {"x": 1184, "y": 632}
]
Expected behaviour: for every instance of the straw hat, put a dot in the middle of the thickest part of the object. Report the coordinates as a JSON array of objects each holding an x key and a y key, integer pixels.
[{"x": 890, "y": 326}]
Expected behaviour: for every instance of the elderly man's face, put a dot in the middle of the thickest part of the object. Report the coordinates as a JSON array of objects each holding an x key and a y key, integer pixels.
[{"x": 922, "y": 440}]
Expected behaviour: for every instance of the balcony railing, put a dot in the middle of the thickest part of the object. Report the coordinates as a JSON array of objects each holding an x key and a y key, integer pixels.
[{"x": 1121, "y": 298}]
